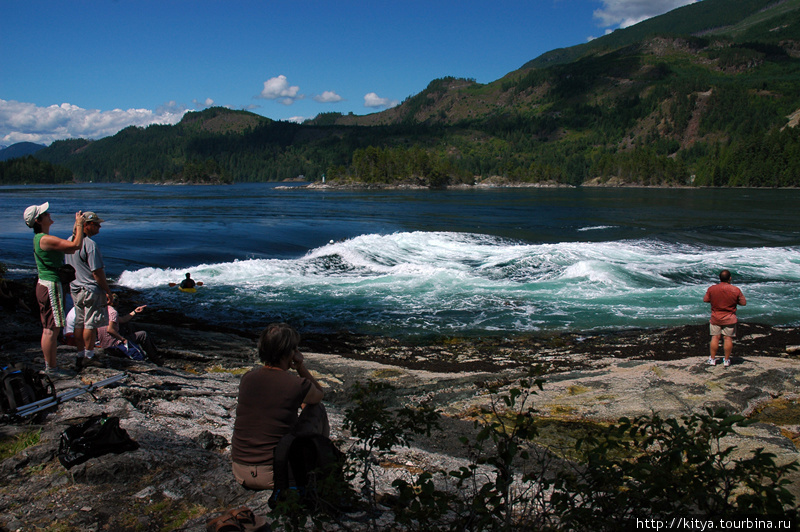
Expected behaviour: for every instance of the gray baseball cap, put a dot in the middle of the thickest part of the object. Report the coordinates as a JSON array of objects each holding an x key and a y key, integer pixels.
[{"x": 89, "y": 216}]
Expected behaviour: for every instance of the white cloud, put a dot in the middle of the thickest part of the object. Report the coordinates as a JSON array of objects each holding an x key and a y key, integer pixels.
[
  {"x": 279, "y": 89},
  {"x": 296, "y": 119},
  {"x": 204, "y": 104},
  {"x": 328, "y": 97},
  {"x": 624, "y": 13},
  {"x": 375, "y": 101},
  {"x": 171, "y": 108},
  {"x": 27, "y": 122}
]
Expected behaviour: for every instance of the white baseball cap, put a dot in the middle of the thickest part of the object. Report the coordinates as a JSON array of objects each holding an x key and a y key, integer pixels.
[{"x": 33, "y": 212}]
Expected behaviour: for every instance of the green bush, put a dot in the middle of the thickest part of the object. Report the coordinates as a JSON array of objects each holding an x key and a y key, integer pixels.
[
  {"x": 649, "y": 467},
  {"x": 380, "y": 426},
  {"x": 655, "y": 467}
]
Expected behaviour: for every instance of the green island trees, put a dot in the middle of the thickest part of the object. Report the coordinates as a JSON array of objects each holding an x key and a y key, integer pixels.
[{"x": 25, "y": 170}]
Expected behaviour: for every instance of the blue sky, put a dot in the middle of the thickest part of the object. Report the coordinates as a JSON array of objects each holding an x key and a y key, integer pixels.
[{"x": 86, "y": 68}]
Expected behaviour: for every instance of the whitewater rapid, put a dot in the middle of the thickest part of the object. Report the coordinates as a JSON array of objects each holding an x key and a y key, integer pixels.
[{"x": 421, "y": 283}]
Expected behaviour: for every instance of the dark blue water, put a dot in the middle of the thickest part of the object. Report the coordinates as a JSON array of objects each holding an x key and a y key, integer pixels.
[{"x": 435, "y": 262}]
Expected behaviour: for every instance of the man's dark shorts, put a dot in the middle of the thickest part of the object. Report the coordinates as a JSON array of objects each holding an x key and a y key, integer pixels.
[{"x": 50, "y": 297}]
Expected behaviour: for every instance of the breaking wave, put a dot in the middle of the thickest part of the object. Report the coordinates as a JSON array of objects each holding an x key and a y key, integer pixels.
[{"x": 418, "y": 283}]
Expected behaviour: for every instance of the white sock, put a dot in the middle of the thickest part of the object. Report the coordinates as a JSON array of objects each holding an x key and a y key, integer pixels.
[{"x": 89, "y": 353}]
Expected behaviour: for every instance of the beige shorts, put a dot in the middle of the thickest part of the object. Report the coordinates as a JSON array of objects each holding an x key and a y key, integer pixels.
[
  {"x": 724, "y": 330},
  {"x": 312, "y": 420},
  {"x": 91, "y": 308},
  {"x": 254, "y": 477}
]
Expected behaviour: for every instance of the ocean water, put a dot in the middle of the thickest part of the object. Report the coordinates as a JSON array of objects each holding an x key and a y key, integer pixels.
[{"x": 426, "y": 263}]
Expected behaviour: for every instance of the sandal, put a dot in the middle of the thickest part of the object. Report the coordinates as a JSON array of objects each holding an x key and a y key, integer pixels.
[
  {"x": 224, "y": 523},
  {"x": 246, "y": 520},
  {"x": 244, "y": 515}
]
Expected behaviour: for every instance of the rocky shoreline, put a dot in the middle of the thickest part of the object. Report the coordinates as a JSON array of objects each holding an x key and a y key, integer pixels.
[{"x": 181, "y": 411}]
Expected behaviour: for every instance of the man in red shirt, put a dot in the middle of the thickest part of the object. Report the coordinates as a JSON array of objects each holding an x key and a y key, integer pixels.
[{"x": 724, "y": 297}]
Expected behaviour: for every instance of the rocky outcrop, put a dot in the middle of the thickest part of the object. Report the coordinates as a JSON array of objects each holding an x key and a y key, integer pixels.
[{"x": 182, "y": 412}]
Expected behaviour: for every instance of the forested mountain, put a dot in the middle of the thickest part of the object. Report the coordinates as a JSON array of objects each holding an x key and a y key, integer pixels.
[
  {"x": 739, "y": 21},
  {"x": 708, "y": 94},
  {"x": 20, "y": 149}
]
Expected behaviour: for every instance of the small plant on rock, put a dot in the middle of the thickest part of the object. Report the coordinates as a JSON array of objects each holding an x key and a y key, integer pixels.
[
  {"x": 503, "y": 444},
  {"x": 380, "y": 425},
  {"x": 19, "y": 442}
]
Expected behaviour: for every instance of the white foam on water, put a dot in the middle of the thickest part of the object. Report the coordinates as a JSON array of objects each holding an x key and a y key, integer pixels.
[
  {"x": 596, "y": 228},
  {"x": 466, "y": 282}
]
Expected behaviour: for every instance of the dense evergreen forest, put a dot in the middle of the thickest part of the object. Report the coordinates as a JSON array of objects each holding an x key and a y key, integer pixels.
[
  {"x": 660, "y": 103},
  {"x": 23, "y": 170}
]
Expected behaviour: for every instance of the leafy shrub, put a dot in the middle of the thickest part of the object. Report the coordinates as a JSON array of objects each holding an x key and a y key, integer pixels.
[
  {"x": 649, "y": 467},
  {"x": 664, "y": 467},
  {"x": 380, "y": 426}
]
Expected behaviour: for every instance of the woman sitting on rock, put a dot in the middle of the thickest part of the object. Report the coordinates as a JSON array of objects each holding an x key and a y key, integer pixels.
[
  {"x": 269, "y": 400},
  {"x": 119, "y": 332}
]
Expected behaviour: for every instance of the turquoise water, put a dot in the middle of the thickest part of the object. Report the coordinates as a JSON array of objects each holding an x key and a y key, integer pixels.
[{"x": 417, "y": 263}]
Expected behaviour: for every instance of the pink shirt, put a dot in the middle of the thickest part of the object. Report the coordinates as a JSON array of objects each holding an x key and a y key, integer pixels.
[
  {"x": 723, "y": 298},
  {"x": 106, "y": 340}
]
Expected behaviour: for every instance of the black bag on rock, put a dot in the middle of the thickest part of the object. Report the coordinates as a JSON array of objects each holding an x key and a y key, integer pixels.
[
  {"x": 22, "y": 385},
  {"x": 310, "y": 464},
  {"x": 94, "y": 437},
  {"x": 66, "y": 273}
]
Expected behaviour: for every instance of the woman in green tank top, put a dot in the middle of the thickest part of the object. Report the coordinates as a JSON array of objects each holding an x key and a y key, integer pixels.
[
  {"x": 47, "y": 261},
  {"x": 49, "y": 251}
]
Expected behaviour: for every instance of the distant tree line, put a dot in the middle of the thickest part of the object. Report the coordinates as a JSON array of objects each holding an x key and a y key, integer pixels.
[
  {"x": 28, "y": 170},
  {"x": 771, "y": 160},
  {"x": 412, "y": 165}
]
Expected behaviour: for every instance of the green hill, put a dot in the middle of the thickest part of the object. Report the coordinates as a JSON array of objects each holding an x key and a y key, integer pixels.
[
  {"x": 20, "y": 149},
  {"x": 708, "y": 94},
  {"x": 740, "y": 20}
]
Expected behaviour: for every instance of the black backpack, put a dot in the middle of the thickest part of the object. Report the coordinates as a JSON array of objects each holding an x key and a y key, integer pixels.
[
  {"x": 310, "y": 464},
  {"x": 94, "y": 437},
  {"x": 23, "y": 385}
]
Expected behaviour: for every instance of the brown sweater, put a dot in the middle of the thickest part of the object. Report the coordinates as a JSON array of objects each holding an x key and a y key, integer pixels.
[{"x": 269, "y": 400}]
